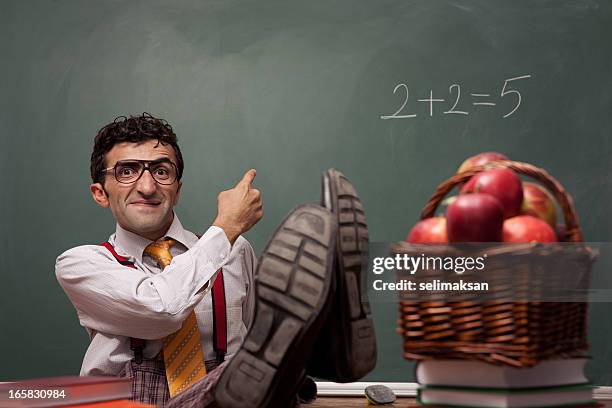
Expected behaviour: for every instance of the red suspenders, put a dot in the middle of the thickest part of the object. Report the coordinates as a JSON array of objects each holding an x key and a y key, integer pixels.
[
  {"x": 219, "y": 330},
  {"x": 219, "y": 316},
  {"x": 119, "y": 258}
]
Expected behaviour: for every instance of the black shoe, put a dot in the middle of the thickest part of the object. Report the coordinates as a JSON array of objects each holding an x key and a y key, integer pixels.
[
  {"x": 346, "y": 350},
  {"x": 293, "y": 292}
]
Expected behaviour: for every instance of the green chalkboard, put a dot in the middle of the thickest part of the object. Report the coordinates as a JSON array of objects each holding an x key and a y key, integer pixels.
[{"x": 393, "y": 93}]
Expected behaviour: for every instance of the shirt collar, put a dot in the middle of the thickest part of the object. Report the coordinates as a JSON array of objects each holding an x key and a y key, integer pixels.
[{"x": 133, "y": 244}]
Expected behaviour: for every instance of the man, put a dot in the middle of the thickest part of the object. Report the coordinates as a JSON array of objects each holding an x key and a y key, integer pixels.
[
  {"x": 136, "y": 168},
  {"x": 137, "y": 299}
]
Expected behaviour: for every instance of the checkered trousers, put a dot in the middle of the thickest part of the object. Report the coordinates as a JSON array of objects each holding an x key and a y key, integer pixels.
[{"x": 151, "y": 387}]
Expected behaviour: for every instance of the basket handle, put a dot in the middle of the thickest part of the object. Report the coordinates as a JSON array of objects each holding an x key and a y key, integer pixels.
[{"x": 572, "y": 234}]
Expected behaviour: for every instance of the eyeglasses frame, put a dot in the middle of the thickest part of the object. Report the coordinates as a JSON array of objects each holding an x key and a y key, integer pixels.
[{"x": 146, "y": 166}]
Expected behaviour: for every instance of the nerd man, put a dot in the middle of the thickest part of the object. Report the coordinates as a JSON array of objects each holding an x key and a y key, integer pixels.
[{"x": 172, "y": 310}]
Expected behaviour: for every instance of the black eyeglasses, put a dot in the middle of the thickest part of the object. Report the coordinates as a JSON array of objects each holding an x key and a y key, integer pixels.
[{"x": 163, "y": 171}]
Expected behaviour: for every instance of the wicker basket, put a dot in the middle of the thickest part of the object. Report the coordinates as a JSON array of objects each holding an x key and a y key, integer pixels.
[{"x": 517, "y": 333}]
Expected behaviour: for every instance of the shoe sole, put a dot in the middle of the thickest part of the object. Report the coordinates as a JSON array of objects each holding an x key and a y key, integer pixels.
[
  {"x": 356, "y": 357},
  {"x": 293, "y": 295}
]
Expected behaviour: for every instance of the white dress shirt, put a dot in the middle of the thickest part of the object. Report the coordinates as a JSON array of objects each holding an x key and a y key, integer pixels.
[{"x": 115, "y": 302}]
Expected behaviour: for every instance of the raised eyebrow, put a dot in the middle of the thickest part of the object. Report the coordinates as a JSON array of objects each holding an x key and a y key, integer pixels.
[
  {"x": 127, "y": 161},
  {"x": 160, "y": 160}
]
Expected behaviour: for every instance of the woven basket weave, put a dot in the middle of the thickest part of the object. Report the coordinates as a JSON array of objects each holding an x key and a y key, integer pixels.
[{"x": 517, "y": 333}]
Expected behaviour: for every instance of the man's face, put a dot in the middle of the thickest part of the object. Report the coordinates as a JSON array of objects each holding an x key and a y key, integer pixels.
[{"x": 143, "y": 207}]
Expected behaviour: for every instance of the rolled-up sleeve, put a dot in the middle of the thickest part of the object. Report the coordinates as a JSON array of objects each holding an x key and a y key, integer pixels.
[{"x": 115, "y": 299}]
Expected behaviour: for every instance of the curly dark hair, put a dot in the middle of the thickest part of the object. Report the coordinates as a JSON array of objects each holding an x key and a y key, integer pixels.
[{"x": 135, "y": 129}]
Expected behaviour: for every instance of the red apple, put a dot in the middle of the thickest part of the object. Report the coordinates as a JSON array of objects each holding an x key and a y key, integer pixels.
[
  {"x": 526, "y": 228},
  {"x": 503, "y": 184},
  {"x": 429, "y": 231},
  {"x": 480, "y": 160},
  {"x": 474, "y": 218},
  {"x": 537, "y": 201}
]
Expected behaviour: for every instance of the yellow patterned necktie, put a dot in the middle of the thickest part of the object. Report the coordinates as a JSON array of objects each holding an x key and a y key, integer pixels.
[{"x": 183, "y": 356}]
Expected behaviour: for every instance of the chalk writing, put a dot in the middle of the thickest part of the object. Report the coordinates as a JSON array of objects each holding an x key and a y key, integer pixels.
[{"x": 478, "y": 100}]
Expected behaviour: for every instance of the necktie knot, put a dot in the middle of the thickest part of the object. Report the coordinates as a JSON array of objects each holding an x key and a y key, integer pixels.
[{"x": 160, "y": 251}]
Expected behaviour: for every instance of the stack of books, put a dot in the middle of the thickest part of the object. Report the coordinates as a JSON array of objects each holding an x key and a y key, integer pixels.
[
  {"x": 68, "y": 391},
  {"x": 466, "y": 383}
]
